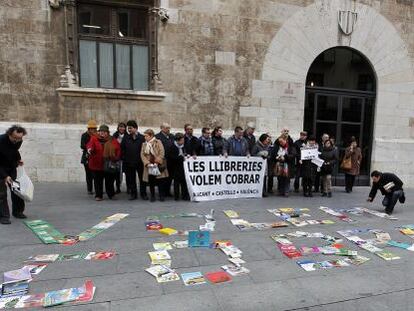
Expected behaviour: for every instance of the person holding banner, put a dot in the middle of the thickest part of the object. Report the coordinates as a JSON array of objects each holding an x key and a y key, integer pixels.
[
  {"x": 237, "y": 145},
  {"x": 249, "y": 136},
  {"x": 155, "y": 166},
  {"x": 261, "y": 149},
  {"x": 191, "y": 143},
  {"x": 206, "y": 144},
  {"x": 219, "y": 142},
  {"x": 308, "y": 168},
  {"x": 177, "y": 158},
  {"x": 284, "y": 164}
]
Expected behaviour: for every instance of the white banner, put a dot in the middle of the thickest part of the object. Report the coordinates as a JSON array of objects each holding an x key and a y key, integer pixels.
[
  {"x": 217, "y": 178},
  {"x": 309, "y": 153}
]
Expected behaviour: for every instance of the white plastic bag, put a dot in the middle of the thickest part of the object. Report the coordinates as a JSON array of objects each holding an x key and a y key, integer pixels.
[
  {"x": 23, "y": 186},
  {"x": 153, "y": 170}
]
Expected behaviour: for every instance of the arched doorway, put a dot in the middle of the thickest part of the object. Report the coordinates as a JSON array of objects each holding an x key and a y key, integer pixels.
[{"x": 339, "y": 100}]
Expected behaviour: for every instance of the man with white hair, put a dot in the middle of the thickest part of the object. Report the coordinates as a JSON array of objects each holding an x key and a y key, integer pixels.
[
  {"x": 167, "y": 140},
  {"x": 248, "y": 135}
]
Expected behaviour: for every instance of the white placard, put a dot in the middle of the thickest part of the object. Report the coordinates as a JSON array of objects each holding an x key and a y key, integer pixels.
[
  {"x": 309, "y": 153},
  {"x": 216, "y": 178}
]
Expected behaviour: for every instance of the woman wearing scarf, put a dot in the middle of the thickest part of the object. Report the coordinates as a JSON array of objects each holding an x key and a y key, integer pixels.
[
  {"x": 104, "y": 154},
  {"x": 155, "y": 169},
  {"x": 284, "y": 157}
]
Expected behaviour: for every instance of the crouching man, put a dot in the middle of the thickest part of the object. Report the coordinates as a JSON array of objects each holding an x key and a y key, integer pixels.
[{"x": 390, "y": 186}]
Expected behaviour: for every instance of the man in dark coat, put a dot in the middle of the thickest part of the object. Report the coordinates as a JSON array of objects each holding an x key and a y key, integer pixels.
[
  {"x": 248, "y": 134},
  {"x": 131, "y": 157},
  {"x": 91, "y": 131},
  {"x": 177, "y": 162},
  {"x": 301, "y": 142},
  {"x": 10, "y": 159},
  {"x": 191, "y": 143},
  {"x": 308, "y": 170},
  {"x": 167, "y": 140},
  {"x": 390, "y": 186}
]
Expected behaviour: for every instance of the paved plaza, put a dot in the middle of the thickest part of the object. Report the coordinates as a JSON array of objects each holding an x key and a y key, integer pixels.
[{"x": 275, "y": 282}]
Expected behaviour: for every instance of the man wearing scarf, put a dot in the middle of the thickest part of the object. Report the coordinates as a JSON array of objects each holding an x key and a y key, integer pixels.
[
  {"x": 206, "y": 143},
  {"x": 104, "y": 154}
]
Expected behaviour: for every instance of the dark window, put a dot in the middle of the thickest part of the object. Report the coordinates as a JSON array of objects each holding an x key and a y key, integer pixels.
[{"x": 113, "y": 47}]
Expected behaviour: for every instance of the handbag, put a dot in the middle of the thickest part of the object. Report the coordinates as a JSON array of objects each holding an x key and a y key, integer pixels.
[
  {"x": 153, "y": 170},
  {"x": 282, "y": 169},
  {"x": 112, "y": 167},
  {"x": 346, "y": 164}
]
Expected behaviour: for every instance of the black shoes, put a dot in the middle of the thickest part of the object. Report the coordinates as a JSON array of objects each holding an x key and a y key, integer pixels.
[
  {"x": 152, "y": 199},
  {"x": 329, "y": 194},
  {"x": 20, "y": 216},
  {"x": 144, "y": 197},
  {"x": 132, "y": 197},
  {"x": 402, "y": 198},
  {"x": 5, "y": 221}
]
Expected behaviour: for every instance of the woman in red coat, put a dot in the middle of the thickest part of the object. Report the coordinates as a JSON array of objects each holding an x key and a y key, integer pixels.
[{"x": 105, "y": 152}]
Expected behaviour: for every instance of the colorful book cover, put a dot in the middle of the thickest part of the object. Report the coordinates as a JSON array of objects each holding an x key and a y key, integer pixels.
[
  {"x": 17, "y": 275},
  {"x": 236, "y": 261},
  {"x": 44, "y": 258},
  {"x": 58, "y": 297},
  {"x": 9, "y": 302},
  {"x": 88, "y": 292},
  {"x": 231, "y": 214},
  {"x": 75, "y": 256},
  {"x": 180, "y": 244},
  {"x": 370, "y": 248},
  {"x": 399, "y": 244},
  {"x": 193, "y": 278},
  {"x": 15, "y": 288},
  {"x": 31, "y": 301},
  {"x": 235, "y": 270},
  {"x": 168, "y": 231},
  {"x": 163, "y": 273},
  {"x": 160, "y": 246},
  {"x": 100, "y": 255},
  {"x": 279, "y": 224},
  {"x": 307, "y": 265},
  {"x": 36, "y": 269},
  {"x": 231, "y": 251},
  {"x": 387, "y": 255},
  {"x": 357, "y": 260},
  {"x": 153, "y": 225},
  {"x": 217, "y": 277},
  {"x": 159, "y": 257},
  {"x": 45, "y": 231},
  {"x": 199, "y": 239}
]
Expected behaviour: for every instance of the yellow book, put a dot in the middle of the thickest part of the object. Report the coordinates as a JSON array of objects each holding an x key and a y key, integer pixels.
[{"x": 168, "y": 231}]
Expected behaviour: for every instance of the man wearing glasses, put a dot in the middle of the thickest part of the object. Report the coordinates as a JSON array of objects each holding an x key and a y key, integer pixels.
[{"x": 10, "y": 159}]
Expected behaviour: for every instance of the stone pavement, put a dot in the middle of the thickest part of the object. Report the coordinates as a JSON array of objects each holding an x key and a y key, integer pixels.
[{"x": 274, "y": 283}]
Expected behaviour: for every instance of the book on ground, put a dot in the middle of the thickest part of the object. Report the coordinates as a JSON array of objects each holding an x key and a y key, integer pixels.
[{"x": 193, "y": 278}]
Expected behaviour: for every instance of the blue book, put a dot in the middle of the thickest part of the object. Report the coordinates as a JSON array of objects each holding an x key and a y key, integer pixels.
[{"x": 198, "y": 239}]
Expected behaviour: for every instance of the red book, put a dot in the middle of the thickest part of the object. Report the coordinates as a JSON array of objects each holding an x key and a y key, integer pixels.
[{"x": 217, "y": 277}]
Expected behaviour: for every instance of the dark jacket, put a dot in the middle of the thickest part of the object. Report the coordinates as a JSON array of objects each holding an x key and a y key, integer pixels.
[
  {"x": 299, "y": 144},
  {"x": 177, "y": 163},
  {"x": 385, "y": 179},
  {"x": 260, "y": 150},
  {"x": 167, "y": 142},
  {"x": 85, "y": 138},
  {"x": 206, "y": 147},
  {"x": 251, "y": 141},
  {"x": 131, "y": 150},
  {"x": 329, "y": 158},
  {"x": 191, "y": 145},
  {"x": 219, "y": 144},
  {"x": 308, "y": 169},
  {"x": 231, "y": 146},
  {"x": 9, "y": 157}
]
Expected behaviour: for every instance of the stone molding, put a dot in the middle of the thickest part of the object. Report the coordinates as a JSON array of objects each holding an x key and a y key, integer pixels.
[{"x": 112, "y": 93}]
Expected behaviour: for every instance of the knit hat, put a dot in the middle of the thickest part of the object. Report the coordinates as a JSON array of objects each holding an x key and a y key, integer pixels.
[
  {"x": 92, "y": 124},
  {"x": 103, "y": 128}
]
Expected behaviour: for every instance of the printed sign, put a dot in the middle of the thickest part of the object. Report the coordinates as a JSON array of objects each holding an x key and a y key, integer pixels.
[
  {"x": 216, "y": 178},
  {"x": 309, "y": 153}
]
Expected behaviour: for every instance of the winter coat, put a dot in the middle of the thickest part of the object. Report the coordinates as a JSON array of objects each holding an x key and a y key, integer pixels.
[
  {"x": 385, "y": 179},
  {"x": 329, "y": 158},
  {"x": 131, "y": 150},
  {"x": 356, "y": 158},
  {"x": 231, "y": 146},
  {"x": 167, "y": 142},
  {"x": 158, "y": 157},
  {"x": 96, "y": 147},
  {"x": 298, "y": 145},
  {"x": 85, "y": 138},
  {"x": 177, "y": 163},
  {"x": 260, "y": 150},
  {"x": 219, "y": 144},
  {"x": 191, "y": 145},
  {"x": 251, "y": 140},
  {"x": 206, "y": 147},
  {"x": 289, "y": 159},
  {"x": 9, "y": 157}
]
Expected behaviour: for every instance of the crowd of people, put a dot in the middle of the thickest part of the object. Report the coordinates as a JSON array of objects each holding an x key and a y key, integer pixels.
[{"x": 157, "y": 159}]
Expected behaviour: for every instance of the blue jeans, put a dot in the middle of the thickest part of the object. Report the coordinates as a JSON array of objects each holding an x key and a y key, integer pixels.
[{"x": 391, "y": 199}]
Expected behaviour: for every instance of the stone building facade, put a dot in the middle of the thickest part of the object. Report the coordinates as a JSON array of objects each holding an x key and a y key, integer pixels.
[{"x": 215, "y": 62}]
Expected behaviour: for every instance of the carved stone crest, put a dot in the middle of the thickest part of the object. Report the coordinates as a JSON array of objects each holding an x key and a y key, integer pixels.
[{"x": 347, "y": 21}]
